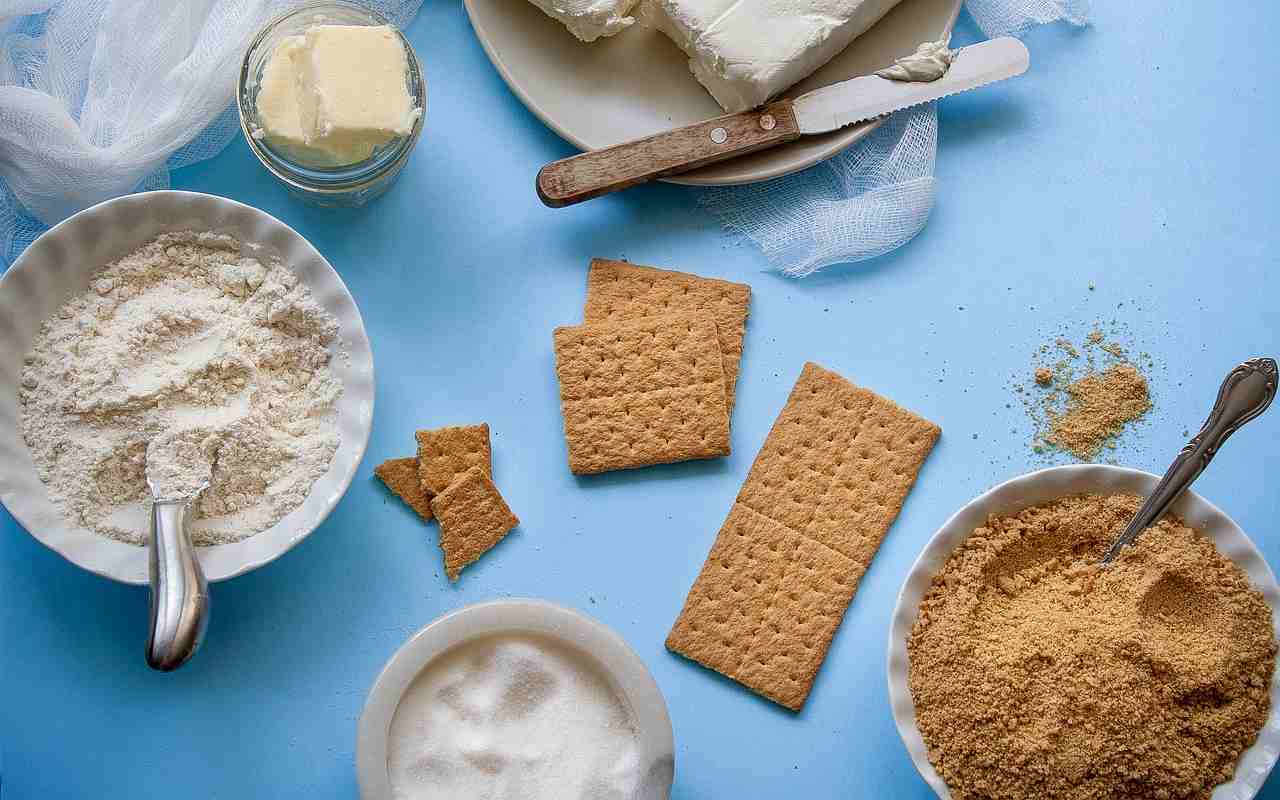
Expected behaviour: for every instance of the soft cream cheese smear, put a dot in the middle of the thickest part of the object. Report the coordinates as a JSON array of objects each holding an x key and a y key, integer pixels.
[{"x": 930, "y": 61}]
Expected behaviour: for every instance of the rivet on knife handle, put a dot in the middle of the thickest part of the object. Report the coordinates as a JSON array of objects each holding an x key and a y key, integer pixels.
[{"x": 599, "y": 172}]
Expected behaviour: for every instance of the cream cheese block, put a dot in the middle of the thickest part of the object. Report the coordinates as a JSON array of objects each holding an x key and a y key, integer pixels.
[
  {"x": 589, "y": 19},
  {"x": 747, "y": 51},
  {"x": 333, "y": 94}
]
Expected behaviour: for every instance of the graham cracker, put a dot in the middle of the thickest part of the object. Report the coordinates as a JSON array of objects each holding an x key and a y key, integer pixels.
[
  {"x": 827, "y": 484},
  {"x": 401, "y": 477},
  {"x": 446, "y": 453},
  {"x": 618, "y": 291},
  {"x": 642, "y": 392},
  {"x": 473, "y": 518}
]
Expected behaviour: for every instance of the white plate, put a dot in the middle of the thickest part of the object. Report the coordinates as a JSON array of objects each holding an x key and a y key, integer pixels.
[
  {"x": 638, "y": 83},
  {"x": 585, "y": 635},
  {"x": 1041, "y": 487},
  {"x": 59, "y": 264}
]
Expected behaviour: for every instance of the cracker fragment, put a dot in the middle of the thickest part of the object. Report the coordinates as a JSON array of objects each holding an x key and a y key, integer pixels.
[
  {"x": 648, "y": 391},
  {"x": 618, "y": 291},
  {"x": 446, "y": 453},
  {"x": 826, "y": 486},
  {"x": 401, "y": 477},
  {"x": 473, "y": 518}
]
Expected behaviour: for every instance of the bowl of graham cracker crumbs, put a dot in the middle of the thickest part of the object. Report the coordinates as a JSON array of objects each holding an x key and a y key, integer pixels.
[{"x": 1019, "y": 667}]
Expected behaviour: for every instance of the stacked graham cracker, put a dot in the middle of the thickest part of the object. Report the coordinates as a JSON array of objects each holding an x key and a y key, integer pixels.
[
  {"x": 650, "y": 377},
  {"x": 449, "y": 480}
]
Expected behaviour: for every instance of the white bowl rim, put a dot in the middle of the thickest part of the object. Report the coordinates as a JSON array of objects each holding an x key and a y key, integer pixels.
[
  {"x": 589, "y": 636},
  {"x": 1040, "y": 486},
  {"x": 128, "y": 563}
]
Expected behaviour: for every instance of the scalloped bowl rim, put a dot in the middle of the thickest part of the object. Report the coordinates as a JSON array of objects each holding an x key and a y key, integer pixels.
[
  {"x": 40, "y": 281},
  {"x": 1039, "y": 487}
]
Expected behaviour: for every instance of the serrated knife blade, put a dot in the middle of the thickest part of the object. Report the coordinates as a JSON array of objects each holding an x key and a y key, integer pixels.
[
  {"x": 868, "y": 97},
  {"x": 599, "y": 172}
]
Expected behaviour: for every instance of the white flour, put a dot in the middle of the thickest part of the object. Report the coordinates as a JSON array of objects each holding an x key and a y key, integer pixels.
[{"x": 187, "y": 333}]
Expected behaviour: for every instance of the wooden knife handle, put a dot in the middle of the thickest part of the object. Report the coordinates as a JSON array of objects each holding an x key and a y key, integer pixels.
[{"x": 598, "y": 172}]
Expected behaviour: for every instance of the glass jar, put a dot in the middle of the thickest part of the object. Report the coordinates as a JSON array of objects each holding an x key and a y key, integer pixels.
[{"x": 344, "y": 185}]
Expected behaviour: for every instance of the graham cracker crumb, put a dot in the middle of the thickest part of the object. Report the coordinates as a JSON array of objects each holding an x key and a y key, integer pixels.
[
  {"x": 1098, "y": 407},
  {"x": 1038, "y": 673},
  {"x": 1089, "y": 396}
]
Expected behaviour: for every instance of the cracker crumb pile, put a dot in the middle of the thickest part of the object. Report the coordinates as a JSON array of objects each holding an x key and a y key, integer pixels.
[
  {"x": 1098, "y": 407},
  {"x": 1083, "y": 397},
  {"x": 1038, "y": 673}
]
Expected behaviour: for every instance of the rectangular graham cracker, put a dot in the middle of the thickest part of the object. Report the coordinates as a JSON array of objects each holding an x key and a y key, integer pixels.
[
  {"x": 446, "y": 453},
  {"x": 828, "y": 482},
  {"x": 618, "y": 291},
  {"x": 401, "y": 477},
  {"x": 647, "y": 391},
  {"x": 473, "y": 518}
]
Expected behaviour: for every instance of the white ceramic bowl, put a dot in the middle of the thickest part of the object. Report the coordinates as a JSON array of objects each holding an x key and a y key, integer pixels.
[
  {"x": 1043, "y": 486},
  {"x": 59, "y": 264},
  {"x": 630, "y": 679}
]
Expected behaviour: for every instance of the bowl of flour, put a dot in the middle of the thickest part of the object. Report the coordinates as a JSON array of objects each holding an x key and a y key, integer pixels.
[{"x": 177, "y": 313}]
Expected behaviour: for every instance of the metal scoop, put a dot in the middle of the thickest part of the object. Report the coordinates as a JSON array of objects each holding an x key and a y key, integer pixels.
[
  {"x": 1246, "y": 393},
  {"x": 179, "y": 593}
]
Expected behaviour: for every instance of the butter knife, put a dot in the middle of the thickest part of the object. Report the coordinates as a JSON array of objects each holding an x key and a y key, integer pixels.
[{"x": 599, "y": 172}]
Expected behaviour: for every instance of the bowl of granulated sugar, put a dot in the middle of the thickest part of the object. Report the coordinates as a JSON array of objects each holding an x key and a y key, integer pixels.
[
  {"x": 515, "y": 698},
  {"x": 1020, "y": 667}
]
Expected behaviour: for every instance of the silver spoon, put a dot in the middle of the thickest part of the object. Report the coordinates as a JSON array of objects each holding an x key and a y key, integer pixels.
[
  {"x": 1246, "y": 393},
  {"x": 179, "y": 605}
]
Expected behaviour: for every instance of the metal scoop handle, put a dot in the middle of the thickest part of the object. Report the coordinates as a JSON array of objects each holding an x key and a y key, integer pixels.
[
  {"x": 179, "y": 592},
  {"x": 1246, "y": 393}
]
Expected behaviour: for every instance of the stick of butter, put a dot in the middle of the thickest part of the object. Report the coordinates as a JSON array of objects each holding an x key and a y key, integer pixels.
[{"x": 334, "y": 93}]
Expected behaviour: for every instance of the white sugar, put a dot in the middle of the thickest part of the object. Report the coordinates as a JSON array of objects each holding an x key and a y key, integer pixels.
[{"x": 513, "y": 716}]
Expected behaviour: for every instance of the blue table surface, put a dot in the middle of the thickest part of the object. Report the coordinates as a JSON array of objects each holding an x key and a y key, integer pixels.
[{"x": 1129, "y": 179}]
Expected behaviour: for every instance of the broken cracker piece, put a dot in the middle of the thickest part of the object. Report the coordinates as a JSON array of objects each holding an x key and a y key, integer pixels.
[
  {"x": 826, "y": 486},
  {"x": 401, "y": 476},
  {"x": 446, "y": 453},
  {"x": 618, "y": 291},
  {"x": 649, "y": 391},
  {"x": 473, "y": 518}
]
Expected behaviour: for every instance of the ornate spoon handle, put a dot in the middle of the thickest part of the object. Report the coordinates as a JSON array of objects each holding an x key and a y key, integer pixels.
[{"x": 1246, "y": 393}]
